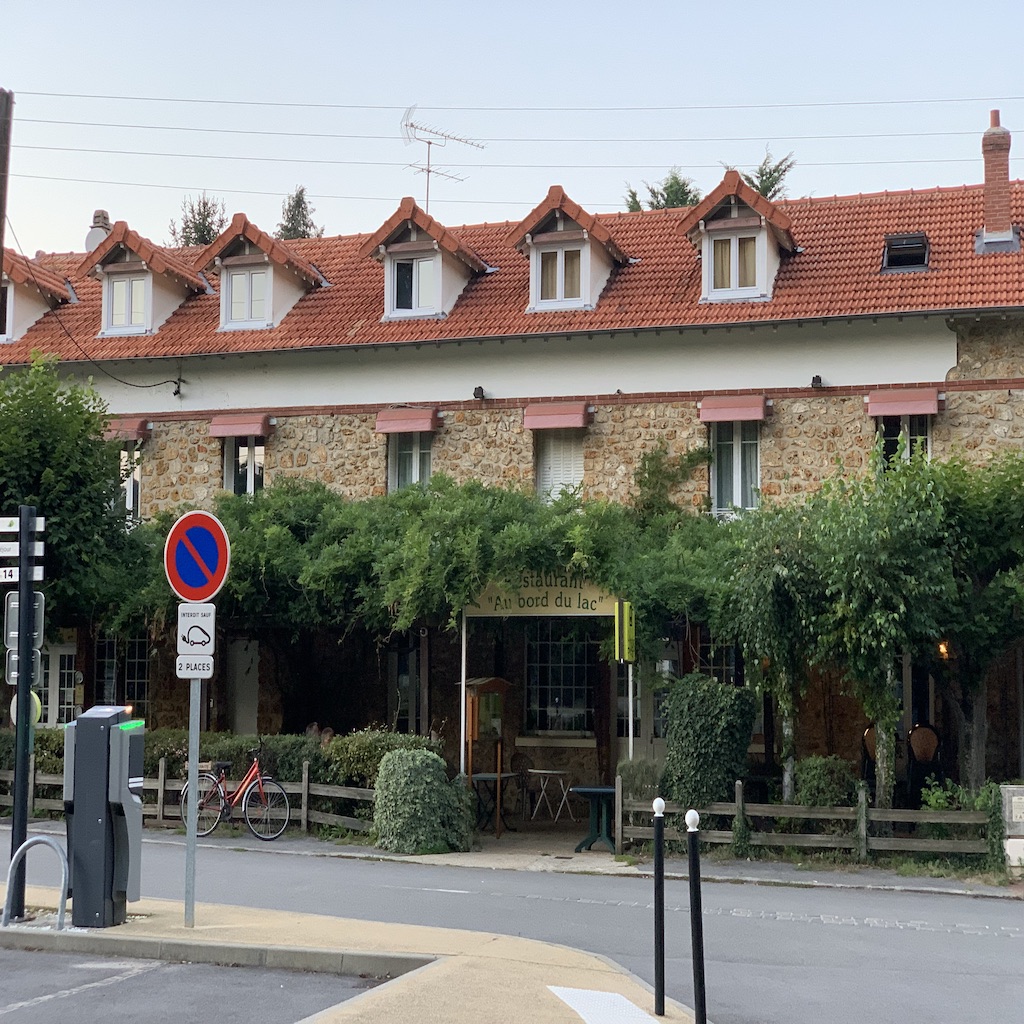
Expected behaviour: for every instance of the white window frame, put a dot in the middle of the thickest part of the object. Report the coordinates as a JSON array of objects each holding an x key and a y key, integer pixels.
[
  {"x": 232, "y": 445},
  {"x": 421, "y": 443},
  {"x": 131, "y": 480},
  {"x": 737, "y": 428},
  {"x": 7, "y": 328},
  {"x": 227, "y": 287},
  {"x": 906, "y": 422},
  {"x": 560, "y": 301},
  {"x": 60, "y": 678},
  {"x": 559, "y": 461},
  {"x": 115, "y": 275},
  {"x": 760, "y": 287},
  {"x": 422, "y": 305}
]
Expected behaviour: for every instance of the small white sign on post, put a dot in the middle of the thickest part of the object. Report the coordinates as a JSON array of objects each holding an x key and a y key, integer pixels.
[
  {"x": 196, "y": 628},
  {"x": 11, "y": 524},
  {"x": 193, "y": 667},
  {"x": 12, "y": 549},
  {"x": 12, "y": 573}
]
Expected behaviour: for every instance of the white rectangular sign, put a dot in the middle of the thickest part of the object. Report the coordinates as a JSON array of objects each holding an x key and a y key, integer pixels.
[
  {"x": 11, "y": 619},
  {"x": 11, "y": 668},
  {"x": 196, "y": 633},
  {"x": 10, "y": 524},
  {"x": 189, "y": 667},
  {"x": 12, "y": 573},
  {"x": 11, "y": 548}
]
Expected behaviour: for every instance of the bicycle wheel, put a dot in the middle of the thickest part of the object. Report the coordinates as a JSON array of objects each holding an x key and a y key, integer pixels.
[
  {"x": 210, "y": 806},
  {"x": 266, "y": 813}
]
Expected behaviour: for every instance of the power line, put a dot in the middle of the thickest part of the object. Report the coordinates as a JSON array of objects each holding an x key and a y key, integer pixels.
[
  {"x": 576, "y": 109},
  {"x": 684, "y": 140}
]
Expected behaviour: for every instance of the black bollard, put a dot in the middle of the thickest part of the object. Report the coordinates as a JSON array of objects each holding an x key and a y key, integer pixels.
[
  {"x": 696, "y": 919},
  {"x": 659, "y": 907}
]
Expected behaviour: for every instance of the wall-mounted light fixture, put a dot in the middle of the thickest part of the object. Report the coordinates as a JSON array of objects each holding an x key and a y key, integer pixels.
[
  {"x": 816, "y": 381},
  {"x": 478, "y": 392}
]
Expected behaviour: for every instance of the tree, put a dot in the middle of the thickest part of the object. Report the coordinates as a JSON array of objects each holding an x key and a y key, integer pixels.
[
  {"x": 769, "y": 177},
  {"x": 881, "y": 550},
  {"x": 53, "y": 456},
  {"x": 297, "y": 217},
  {"x": 771, "y": 608},
  {"x": 673, "y": 190},
  {"x": 202, "y": 220}
]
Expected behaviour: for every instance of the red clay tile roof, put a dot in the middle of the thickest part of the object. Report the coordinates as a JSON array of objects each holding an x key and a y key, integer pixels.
[
  {"x": 556, "y": 199},
  {"x": 159, "y": 260},
  {"x": 836, "y": 273},
  {"x": 20, "y": 270},
  {"x": 408, "y": 211},
  {"x": 734, "y": 185},
  {"x": 278, "y": 252}
]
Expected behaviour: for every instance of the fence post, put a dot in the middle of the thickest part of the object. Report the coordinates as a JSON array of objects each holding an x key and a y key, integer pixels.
[
  {"x": 32, "y": 785},
  {"x": 862, "y": 822},
  {"x": 304, "y": 816},
  {"x": 741, "y": 809},
  {"x": 618, "y": 815},
  {"x": 161, "y": 782}
]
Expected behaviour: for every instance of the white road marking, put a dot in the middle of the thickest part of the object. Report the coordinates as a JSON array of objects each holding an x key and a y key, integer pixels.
[{"x": 140, "y": 967}]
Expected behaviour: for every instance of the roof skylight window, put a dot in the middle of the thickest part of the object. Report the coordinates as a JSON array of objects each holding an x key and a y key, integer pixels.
[{"x": 905, "y": 252}]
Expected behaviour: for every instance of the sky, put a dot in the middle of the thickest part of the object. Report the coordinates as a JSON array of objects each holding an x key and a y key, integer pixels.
[{"x": 134, "y": 107}]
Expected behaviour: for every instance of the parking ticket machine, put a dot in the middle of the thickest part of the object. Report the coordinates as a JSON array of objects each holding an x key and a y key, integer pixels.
[{"x": 103, "y": 808}]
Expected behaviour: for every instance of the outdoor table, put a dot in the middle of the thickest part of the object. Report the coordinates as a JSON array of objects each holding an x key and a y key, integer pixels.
[
  {"x": 602, "y": 799},
  {"x": 546, "y": 775},
  {"x": 485, "y": 784}
]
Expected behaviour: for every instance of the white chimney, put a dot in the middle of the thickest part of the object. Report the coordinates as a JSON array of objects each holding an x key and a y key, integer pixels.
[{"x": 99, "y": 230}]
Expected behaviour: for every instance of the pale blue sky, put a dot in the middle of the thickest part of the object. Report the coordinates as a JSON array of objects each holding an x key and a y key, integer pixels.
[{"x": 654, "y": 85}]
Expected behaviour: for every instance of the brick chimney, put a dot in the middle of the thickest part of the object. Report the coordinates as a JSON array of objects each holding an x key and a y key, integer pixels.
[{"x": 995, "y": 148}]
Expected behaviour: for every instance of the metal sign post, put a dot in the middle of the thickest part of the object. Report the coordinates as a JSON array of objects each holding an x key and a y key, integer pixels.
[
  {"x": 27, "y": 526},
  {"x": 197, "y": 555}
]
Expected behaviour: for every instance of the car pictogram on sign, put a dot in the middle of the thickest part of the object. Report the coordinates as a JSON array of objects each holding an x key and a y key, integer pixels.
[{"x": 196, "y": 637}]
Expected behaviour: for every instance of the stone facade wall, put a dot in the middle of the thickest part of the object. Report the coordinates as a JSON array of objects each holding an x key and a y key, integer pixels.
[
  {"x": 489, "y": 445},
  {"x": 181, "y": 464}
]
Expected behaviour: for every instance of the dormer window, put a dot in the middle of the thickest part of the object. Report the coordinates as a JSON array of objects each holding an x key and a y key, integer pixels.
[
  {"x": 246, "y": 288},
  {"x": 127, "y": 293},
  {"x": 734, "y": 254},
  {"x": 413, "y": 268},
  {"x": 905, "y": 252},
  {"x": 560, "y": 265}
]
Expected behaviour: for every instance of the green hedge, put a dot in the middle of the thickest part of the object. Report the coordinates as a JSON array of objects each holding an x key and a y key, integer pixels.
[
  {"x": 709, "y": 726},
  {"x": 350, "y": 760},
  {"x": 417, "y": 809}
]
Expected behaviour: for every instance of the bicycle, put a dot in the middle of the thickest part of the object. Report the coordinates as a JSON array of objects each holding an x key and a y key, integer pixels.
[{"x": 264, "y": 801}]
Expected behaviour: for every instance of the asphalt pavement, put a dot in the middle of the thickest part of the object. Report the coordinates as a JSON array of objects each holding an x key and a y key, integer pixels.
[{"x": 439, "y": 974}]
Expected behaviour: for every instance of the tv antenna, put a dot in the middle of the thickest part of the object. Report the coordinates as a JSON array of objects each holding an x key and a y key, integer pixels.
[{"x": 414, "y": 131}]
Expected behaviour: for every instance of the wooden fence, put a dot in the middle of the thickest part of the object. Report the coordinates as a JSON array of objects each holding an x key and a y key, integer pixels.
[
  {"x": 161, "y": 798},
  {"x": 859, "y": 839}
]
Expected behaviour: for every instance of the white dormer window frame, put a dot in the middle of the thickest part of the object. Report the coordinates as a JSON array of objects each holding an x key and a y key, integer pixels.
[
  {"x": 735, "y": 264},
  {"x": 127, "y": 299},
  {"x": 413, "y": 276},
  {"x": 246, "y": 293},
  {"x": 560, "y": 273}
]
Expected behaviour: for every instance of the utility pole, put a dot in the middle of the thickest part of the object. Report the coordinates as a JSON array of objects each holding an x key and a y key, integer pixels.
[{"x": 6, "y": 121}]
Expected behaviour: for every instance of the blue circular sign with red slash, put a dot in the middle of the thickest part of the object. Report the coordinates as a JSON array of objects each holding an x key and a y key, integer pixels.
[{"x": 196, "y": 556}]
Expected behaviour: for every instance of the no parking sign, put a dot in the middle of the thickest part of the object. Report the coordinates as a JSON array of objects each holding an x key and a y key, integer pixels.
[{"x": 197, "y": 555}]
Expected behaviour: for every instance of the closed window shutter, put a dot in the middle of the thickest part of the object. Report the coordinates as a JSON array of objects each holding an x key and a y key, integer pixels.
[{"x": 559, "y": 461}]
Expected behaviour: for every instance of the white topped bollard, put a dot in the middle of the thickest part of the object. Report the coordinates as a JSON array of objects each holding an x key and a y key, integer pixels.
[
  {"x": 700, "y": 1013},
  {"x": 659, "y": 906}
]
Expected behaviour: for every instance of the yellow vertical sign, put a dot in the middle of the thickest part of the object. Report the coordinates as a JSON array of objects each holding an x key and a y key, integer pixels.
[{"x": 625, "y": 632}]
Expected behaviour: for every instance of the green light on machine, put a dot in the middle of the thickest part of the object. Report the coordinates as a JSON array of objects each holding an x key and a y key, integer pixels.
[{"x": 135, "y": 723}]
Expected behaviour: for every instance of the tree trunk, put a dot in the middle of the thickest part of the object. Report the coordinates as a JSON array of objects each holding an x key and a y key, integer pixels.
[
  {"x": 788, "y": 759},
  {"x": 970, "y": 711},
  {"x": 885, "y": 761}
]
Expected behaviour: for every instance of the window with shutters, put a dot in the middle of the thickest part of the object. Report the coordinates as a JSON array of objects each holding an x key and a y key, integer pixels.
[{"x": 559, "y": 461}]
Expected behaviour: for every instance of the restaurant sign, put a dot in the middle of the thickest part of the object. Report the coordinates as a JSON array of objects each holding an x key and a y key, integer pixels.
[{"x": 544, "y": 593}]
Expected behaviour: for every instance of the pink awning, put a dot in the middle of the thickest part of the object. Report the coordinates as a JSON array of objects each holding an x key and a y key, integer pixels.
[
  {"x": 126, "y": 428},
  {"x": 240, "y": 424},
  {"x": 555, "y": 415},
  {"x": 725, "y": 408},
  {"x": 407, "y": 421},
  {"x": 904, "y": 402}
]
